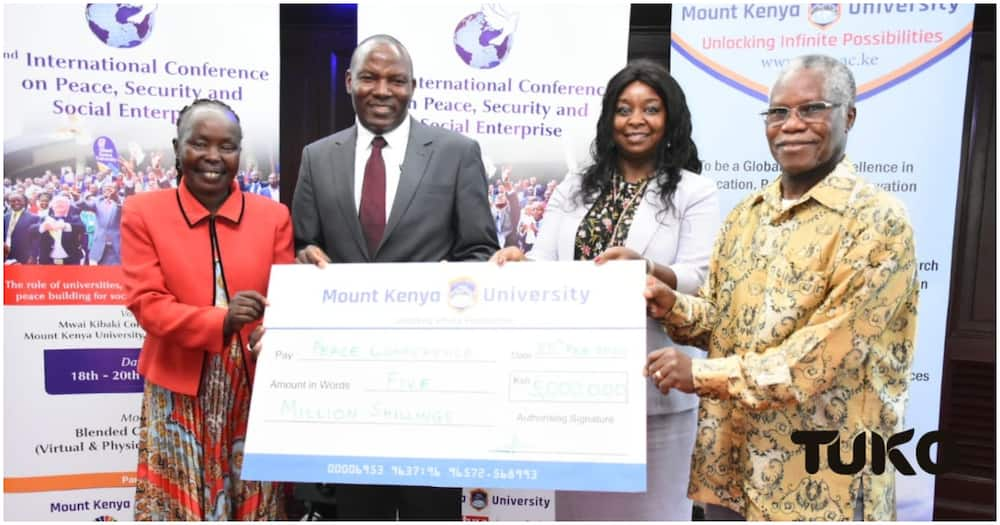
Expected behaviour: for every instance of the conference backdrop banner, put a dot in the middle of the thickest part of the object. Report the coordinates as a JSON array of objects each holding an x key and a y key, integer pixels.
[
  {"x": 526, "y": 82},
  {"x": 910, "y": 62},
  {"x": 91, "y": 96}
]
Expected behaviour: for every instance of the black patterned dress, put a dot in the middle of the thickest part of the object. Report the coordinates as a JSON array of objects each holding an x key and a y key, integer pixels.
[{"x": 608, "y": 221}]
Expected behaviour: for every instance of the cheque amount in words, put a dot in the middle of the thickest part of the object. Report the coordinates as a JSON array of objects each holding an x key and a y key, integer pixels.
[{"x": 512, "y": 294}]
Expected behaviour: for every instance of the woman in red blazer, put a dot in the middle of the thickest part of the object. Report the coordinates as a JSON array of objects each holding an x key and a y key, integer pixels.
[{"x": 196, "y": 262}]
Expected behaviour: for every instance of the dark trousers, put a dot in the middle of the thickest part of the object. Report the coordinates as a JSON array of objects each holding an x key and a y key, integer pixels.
[{"x": 381, "y": 502}]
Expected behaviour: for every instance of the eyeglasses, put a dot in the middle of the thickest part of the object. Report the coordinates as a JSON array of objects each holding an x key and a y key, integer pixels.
[{"x": 808, "y": 112}]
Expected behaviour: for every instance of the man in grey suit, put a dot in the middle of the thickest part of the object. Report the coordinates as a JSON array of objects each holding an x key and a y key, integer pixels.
[
  {"x": 106, "y": 247},
  {"x": 391, "y": 189}
]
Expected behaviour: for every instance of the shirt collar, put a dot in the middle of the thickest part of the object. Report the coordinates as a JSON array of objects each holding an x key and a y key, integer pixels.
[
  {"x": 392, "y": 138},
  {"x": 194, "y": 212},
  {"x": 834, "y": 191}
]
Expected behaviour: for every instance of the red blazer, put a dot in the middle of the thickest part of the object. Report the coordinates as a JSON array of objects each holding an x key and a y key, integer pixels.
[{"x": 169, "y": 276}]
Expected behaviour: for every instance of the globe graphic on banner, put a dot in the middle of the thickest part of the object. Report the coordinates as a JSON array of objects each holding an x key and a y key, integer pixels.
[
  {"x": 121, "y": 25},
  {"x": 472, "y": 42}
]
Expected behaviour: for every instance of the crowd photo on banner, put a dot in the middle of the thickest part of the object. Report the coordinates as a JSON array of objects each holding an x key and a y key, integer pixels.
[
  {"x": 776, "y": 305},
  {"x": 91, "y": 199}
]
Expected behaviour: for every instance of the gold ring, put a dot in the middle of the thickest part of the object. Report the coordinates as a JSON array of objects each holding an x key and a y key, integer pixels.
[{"x": 658, "y": 375}]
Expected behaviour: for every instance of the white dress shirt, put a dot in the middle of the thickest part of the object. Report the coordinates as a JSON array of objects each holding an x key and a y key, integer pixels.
[{"x": 393, "y": 154}]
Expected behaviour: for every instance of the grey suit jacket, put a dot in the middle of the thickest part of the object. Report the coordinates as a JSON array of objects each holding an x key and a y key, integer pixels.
[
  {"x": 108, "y": 228},
  {"x": 440, "y": 212}
]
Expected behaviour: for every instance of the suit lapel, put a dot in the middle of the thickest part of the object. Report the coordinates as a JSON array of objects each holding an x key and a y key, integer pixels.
[
  {"x": 418, "y": 154},
  {"x": 644, "y": 224},
  {"x": 343, "y": 189},
  {"x": 23, "y": 222},
  {"x": 574, "y": 216}
]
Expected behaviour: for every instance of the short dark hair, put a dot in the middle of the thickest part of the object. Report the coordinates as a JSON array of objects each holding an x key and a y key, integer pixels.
[
  {"x": 676, "y": 151},
  {"x": 365, "y": 47},
  {"x": 184, "y": 117},
  {"x": 185, "y": 113}
]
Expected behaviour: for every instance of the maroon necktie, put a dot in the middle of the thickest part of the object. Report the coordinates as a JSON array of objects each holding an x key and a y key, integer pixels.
[{"x": 372, "y": 212}]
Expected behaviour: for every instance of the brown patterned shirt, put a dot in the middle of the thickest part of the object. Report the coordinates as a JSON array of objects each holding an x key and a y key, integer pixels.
[{"x": 809, "y": 316}]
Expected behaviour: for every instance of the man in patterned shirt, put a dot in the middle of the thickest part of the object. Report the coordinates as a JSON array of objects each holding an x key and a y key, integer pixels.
[{"x": 809, "y": 314}]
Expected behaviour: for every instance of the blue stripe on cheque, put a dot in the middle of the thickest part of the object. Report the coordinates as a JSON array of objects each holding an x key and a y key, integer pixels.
[{"x": 609, "y": 477}]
